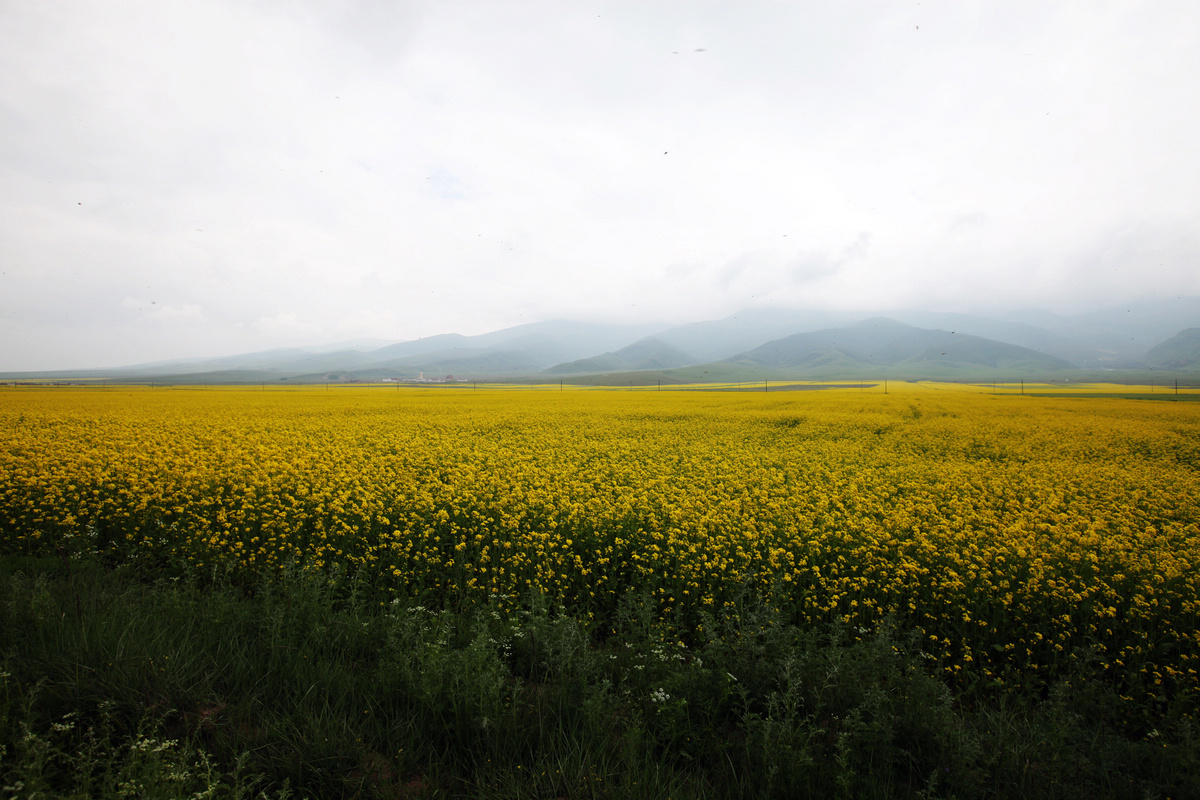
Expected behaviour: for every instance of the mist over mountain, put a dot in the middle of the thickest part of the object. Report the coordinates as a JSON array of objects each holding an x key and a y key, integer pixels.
[
  {"x": 1059, "y": 345},
  {"x": 750, "y": 345},
  {"x": 1120, "y": 334}
]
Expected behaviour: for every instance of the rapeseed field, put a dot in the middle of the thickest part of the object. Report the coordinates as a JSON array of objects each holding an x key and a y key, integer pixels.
[{"x": 1022, "y": 537}]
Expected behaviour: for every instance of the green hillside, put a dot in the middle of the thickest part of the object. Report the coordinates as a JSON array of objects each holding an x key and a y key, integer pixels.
[
  {"x": 880, "y": 345},
  {"x": 1181, "y": 352}
]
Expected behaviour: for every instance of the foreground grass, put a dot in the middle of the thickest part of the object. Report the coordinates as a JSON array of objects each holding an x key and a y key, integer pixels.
[{"x": 117, "y": 683}]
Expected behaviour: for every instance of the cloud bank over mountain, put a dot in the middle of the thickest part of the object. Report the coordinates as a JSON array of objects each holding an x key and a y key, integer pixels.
[{"x": 222, "y": 177}]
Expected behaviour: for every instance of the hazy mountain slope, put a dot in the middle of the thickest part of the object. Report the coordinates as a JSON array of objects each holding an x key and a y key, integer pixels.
[
  {"x": 477, "y": 364},
  {"x": 718, "y": 339},
  {"x": 337, "y": 360},
  {"x": 264, "y": 359},
  {"x": 531, "y": 348},
  {"x": 648, "y": 353},
  {"x": 572, "y": 339},
  {"x": 1122, "y": 332},
  {"x": 878, "y": 343},
  {"x": 605, "y": 362},
  {"x": 213, "y": 377},
  {"x": 282, "y": 359},
  {"x": 1180, "y": 352},
  {"x": 462, "y": 364},
  {"x": 1021, "y": 334},
  {"x": 416, "y": 347},
  {"x": 654, "y": 353}
]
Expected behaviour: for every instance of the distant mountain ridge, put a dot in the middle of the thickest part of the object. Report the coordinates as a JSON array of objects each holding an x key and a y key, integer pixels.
[
  {"x": 750, "y": 345},
  {"x": 867, "y": 346}
]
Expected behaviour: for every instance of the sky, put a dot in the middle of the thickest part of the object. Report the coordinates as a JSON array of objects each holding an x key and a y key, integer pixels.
[{"x": 202, "y": 178}]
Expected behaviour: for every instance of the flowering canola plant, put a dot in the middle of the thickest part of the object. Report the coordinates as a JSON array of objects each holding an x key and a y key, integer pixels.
[{"x": 1019, "y": 535}]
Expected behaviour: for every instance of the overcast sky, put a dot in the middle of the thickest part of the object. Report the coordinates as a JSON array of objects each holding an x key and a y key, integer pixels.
[{"x": 203, "y": 178}]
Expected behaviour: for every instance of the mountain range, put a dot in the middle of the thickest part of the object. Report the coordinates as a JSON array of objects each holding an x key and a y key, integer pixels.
[{"x": 754, "y": 344}]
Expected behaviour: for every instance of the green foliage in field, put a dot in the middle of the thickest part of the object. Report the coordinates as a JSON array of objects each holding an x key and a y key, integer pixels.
[{"x": 119, "y": 685}]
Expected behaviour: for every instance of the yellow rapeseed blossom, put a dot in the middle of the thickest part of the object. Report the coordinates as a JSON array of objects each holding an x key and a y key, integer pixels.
[{"x": 1013, "y": 531}]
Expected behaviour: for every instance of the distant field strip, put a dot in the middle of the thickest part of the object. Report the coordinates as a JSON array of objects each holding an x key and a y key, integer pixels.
[{"x": 1020, "y": 535}]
